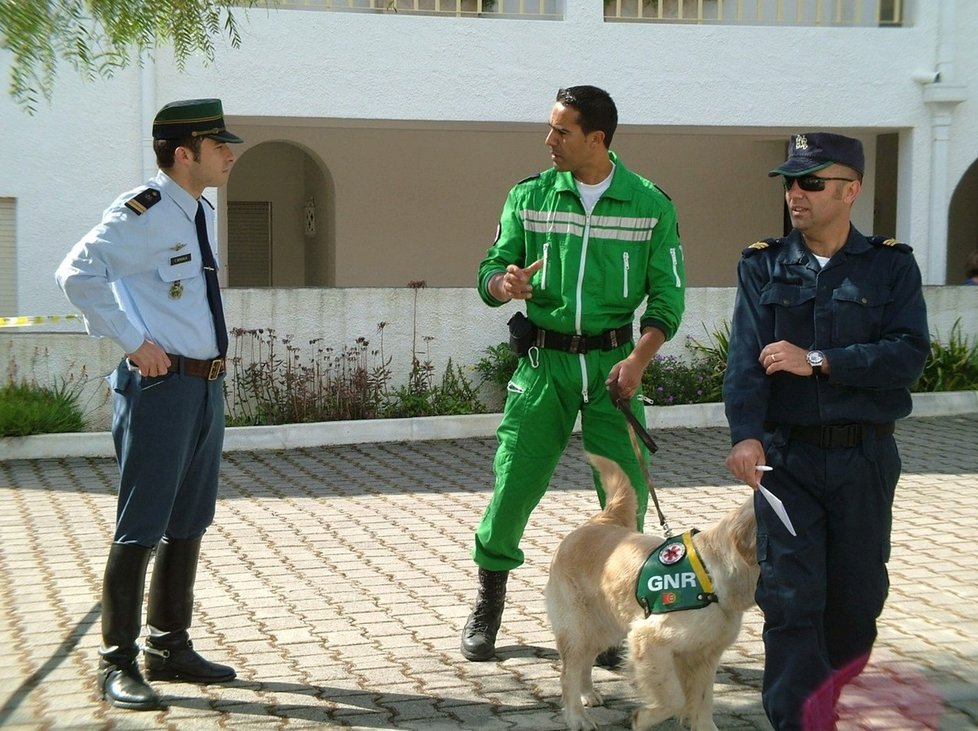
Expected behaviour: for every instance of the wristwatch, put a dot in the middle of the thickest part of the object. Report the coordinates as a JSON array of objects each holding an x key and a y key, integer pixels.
[{"x": 815, "y": 359}]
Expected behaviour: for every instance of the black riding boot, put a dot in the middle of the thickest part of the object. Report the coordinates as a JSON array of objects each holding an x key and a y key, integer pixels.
[
  {"x": 170, "y": 654},
  {"x": 120, "y": 681},
  {"x": 479, "y": 635}
]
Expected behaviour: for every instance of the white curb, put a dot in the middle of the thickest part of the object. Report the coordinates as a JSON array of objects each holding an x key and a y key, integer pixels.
[{"x": 294, "y": 436}]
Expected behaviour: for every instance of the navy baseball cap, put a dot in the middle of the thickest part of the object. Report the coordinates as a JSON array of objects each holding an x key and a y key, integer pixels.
[{"x": 816, "y": 150}]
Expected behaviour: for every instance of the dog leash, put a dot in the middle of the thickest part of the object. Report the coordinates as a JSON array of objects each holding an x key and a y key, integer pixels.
[{"x": 635, "y": 428}]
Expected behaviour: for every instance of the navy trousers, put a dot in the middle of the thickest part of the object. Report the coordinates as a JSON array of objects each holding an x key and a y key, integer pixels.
[
  {"x": 822, "y": 590},
  {"x": 169, "y": 434}
]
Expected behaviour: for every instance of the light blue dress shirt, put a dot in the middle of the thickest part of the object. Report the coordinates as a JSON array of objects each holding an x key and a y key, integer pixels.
[{"x": 139, "y": 276}]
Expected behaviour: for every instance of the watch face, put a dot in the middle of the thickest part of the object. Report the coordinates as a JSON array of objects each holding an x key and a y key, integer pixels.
[{"x": 815, "y": 358}]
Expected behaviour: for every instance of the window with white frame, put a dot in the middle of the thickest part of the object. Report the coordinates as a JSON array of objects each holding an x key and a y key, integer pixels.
[{"x": 8, "y": 256}]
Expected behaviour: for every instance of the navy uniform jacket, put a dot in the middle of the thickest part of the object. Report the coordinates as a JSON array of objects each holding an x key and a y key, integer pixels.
[{"x": 865, "y": 310}]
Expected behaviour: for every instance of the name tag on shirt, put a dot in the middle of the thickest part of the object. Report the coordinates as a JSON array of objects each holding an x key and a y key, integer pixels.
[{"x": 179, "y": 259}]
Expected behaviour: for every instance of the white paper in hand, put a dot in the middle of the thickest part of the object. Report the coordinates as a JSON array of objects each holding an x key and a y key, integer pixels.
[{"x": 778, "y": 507}]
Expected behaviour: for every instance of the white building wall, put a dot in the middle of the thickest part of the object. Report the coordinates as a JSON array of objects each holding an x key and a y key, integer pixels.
[{"x": 64, "y": 164}]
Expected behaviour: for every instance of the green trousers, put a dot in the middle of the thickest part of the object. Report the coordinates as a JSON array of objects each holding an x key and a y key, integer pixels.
[{"x": 541, "y": 409}]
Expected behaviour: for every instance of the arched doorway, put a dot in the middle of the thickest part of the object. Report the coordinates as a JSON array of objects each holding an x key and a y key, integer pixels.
[
  {"x": 280, "y": 222},
  {"x": 962, "y": 224}
]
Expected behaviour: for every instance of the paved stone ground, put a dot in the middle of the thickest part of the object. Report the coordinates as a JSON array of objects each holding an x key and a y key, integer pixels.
[{"x": 336, "y": 580}]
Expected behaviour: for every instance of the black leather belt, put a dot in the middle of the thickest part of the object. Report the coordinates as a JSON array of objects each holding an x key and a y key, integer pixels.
[
  {"x": 608, "y": 340},
  {"x": 832, "y": 435},
  {"x": 209, "y": 369}
]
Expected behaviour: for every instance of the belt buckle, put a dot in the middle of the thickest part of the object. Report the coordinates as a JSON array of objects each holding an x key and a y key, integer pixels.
[
  {"x": 852, "y": 435},
  {"x": 577, "y": 344},
  {"x": 841, "y": 435},
  {"x": 217, "y": 366}
]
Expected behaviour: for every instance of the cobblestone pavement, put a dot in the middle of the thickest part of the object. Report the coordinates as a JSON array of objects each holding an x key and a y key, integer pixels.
[{"x": 337, "y": 580}]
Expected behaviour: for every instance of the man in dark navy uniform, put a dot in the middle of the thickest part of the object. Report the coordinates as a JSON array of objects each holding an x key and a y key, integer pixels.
[
  {"x": 829, "y": 334},
  {"x": 146, "y": 278}
]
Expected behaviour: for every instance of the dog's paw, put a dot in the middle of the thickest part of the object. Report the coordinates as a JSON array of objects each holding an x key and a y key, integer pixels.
[
  {"x": 592, "y": 699},
  {"x": 643, "y": 719},
  {"x": 580, "y": 722}
]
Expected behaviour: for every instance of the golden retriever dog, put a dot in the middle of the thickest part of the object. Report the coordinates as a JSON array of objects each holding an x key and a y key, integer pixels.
[{"x": 672, "y": 657}]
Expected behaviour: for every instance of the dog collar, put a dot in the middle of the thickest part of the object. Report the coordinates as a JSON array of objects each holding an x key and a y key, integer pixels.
[{"x": 674, "y": 578}]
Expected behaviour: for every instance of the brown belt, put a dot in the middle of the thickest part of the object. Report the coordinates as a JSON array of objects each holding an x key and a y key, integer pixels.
[
  {"x": 833, "y": 435},
  {"x": 608, "y": 340},
  {"x": 209, "y": 369}
]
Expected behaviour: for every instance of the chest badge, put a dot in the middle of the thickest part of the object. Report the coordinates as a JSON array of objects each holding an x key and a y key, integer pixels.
[
  {"x": 177, "y": 247},
  {"x": 176, "y": 290}
]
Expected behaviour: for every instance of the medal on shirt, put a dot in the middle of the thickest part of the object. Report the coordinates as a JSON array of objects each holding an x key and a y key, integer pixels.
[{"x": 176, "y": 290}]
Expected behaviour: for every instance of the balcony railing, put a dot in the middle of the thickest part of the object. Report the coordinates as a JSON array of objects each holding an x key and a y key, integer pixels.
[
  {"x": 760, "y": 12},
  {"x": 528, "y": 9},
  {"x": 730, "y": 12}
]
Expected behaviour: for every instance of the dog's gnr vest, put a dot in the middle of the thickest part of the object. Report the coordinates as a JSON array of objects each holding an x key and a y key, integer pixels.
[{"x": 673, "y": 578}]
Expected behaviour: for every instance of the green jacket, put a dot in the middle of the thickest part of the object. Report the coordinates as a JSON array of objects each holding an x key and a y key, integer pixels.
[{"x": 597, "y": 269}]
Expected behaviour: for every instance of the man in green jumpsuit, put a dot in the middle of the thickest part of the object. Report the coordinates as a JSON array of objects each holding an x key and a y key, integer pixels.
[{"x": 584, "y": 243}]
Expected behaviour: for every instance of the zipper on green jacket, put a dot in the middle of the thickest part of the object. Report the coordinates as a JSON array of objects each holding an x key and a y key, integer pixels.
[
  {"x": 624, "y": 261},
  {"x": 546, "y": 261},
  {"x": 580, "y": 300}
]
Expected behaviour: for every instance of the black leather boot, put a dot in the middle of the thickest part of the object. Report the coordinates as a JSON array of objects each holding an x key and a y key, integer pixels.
[
  {"x": 120, "y": 681},
  {"x": 479, "y": 635},
  {"x": 170, "y": 654}
]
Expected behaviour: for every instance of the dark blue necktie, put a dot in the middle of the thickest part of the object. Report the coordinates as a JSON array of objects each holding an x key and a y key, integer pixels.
[{"x": 213, "y": 288}]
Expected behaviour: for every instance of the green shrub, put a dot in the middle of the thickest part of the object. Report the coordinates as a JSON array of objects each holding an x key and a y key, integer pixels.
[
  {"x": 714, "y": 352},
  {"x": 670, "y": 381},
  {"x": 952, "y": 366},
  {"x": 497, "y": 366},
  {"x": 27, "y": 409},
  {"x": 421, "y": 397},
  {"x": 269, "y": 387}
]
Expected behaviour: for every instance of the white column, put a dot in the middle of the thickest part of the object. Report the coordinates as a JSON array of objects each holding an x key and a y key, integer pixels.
[
  {"x": 941, "y": 95},
  {"x": 941, "y": 98}
]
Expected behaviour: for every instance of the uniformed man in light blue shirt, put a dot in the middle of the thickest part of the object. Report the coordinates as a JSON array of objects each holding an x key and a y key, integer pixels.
[{"x": 146, "y": 278}]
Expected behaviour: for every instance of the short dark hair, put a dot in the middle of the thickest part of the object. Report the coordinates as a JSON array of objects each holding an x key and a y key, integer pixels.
[
  {"x": 166, "y": 149},
  {"x": 595, "y": 107}
]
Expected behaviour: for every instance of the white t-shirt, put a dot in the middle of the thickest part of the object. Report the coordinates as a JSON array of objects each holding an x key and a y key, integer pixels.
[{"x": 591, "y": 193}]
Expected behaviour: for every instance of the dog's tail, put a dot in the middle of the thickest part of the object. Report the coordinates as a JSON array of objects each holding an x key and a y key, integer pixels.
[{"x": 620, "y": 501}]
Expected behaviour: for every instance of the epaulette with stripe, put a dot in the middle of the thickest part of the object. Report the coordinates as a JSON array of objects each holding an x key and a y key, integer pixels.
[
  {"x": 529, "y": 178},
  {"x": 890, "y": 243},
  {"x": 143, "y": 201},
  {"x": 759, "y": 246}
]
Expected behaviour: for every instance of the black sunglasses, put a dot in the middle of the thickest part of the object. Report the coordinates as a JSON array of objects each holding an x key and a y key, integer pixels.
[{"x": 811, "y": 183}]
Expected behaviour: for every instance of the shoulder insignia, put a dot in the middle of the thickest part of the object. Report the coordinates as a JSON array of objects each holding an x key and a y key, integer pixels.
[
  {"x": 890, "y": 243},
  {"x": 759, "y": 246},
  {"x": 143, "y": 201}
]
